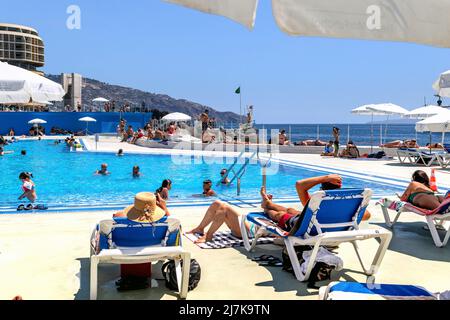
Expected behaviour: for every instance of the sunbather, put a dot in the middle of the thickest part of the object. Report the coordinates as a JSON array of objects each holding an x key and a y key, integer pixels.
[
  {"x": 420, "y": 194},
  {"x": 287, "y": 217},
  {"x": 435, "y": 146},
  {"x": 401, "y": 144},
  {"x": 329, "y": 150},
  {"x": 220, "y": 213},
  {"x": 351, "y": 151},
  {"x": 316, "y": 143}
]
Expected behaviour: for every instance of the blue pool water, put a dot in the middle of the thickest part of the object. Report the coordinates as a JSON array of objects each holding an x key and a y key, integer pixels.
[{"x": 65, "y": 178}]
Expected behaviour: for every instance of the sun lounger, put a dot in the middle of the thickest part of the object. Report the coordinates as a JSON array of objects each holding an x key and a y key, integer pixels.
[
  {"x": 121, "y": 241},
  {"x": 331, "y": 218},
  {"x": 434, "y": 218},
  {"x": 360, "y": 291},
  {"x": 415, "y": 156}
]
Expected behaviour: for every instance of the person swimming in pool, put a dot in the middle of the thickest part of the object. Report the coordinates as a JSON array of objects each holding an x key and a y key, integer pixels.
[
  {"x": 207, "y": 189},
  {"x": 218, "y": 214},
  {"x": 28, "y": 187},
  {"x": 223, "y": 174},
  {"x": 120, "y": 153},
  {"x": 103, "y": 171},
  {"x": 419, "y": 192},
  {"x": 136, "y": 172},
  {"x": 163, "y": 191}
]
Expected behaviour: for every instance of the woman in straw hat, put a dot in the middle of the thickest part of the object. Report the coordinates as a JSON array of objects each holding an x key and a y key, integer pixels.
[{"x": 147, "y": 208}]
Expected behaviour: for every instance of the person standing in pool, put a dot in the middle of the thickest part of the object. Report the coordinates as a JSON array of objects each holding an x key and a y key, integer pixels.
[
  {"x": 336, "y": 135},
  {"x": 136, "y": 172},
  {"x": 28, "y": 187},
  {"x": 223, "y": 174},
  {"x": 103, "y": 171},
  {"x": 207, "y": 189},
  {"x": 163, "y": 191}
]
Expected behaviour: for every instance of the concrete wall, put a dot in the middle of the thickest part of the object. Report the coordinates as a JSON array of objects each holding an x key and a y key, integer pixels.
[{"x": 106, "y": 122}]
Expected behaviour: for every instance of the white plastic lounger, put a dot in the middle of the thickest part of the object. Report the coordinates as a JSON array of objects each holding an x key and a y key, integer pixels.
[
  {"x": 360, "y": 291},
  {"x": 121, "y": 241},
  {"x": 331, "y": 218},
  {"x": 434, "y": 218},
  {"x": 417, "y": 157}
]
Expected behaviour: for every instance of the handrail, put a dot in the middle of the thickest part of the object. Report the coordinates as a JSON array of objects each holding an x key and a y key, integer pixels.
[
  {"x": 231, "y": 168},
  {"x": 241, "y": 171}
]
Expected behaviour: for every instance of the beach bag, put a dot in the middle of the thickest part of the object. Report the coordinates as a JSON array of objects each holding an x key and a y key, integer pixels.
[
  {"x": 134, "y": 277},
  {"x": 170, "y": 276},
  {"x": 378, "y": 155},
  {"x": 320, "y": 272}
]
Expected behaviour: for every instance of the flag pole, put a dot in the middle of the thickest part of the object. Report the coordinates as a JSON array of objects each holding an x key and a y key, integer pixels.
[{"x": 240, "y": 104}]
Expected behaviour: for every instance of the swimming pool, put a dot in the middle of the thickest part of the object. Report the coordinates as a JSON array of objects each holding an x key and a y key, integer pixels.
[{"x": 66, "y": 179}]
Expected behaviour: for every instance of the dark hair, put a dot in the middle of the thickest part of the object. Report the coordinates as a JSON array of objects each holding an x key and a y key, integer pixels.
[
  {"x": 421, "y": 177},
  {"x": 207, "y": 182},
  {"x": 25, "y": 175},
  {"x": 23, "y": 152},
  {"x": 330, "y": 186},
  {"x": 164, "y": 185}
]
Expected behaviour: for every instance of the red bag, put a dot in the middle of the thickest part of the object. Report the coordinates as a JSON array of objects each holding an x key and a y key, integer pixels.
[{"x": 136, "y": 270}]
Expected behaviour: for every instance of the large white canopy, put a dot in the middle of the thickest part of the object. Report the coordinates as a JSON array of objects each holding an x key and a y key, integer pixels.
[
  {"x": 20, "y": 86},
  {"x": 424, "y": 112},
  {"x": 177, "y": 116},
  {"x": 388, "y": 109},
  {"x": 437, "y": 123},
  {"x": 419, "y": 21},
  {"x": 442, "y": 85},
  {"x": 241, "y": 11}
]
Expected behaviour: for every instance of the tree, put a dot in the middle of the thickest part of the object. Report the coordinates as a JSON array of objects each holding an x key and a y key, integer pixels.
[{"x": 158, "y": 115}]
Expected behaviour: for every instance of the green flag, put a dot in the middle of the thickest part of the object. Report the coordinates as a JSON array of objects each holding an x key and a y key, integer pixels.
[{"x": 238, "y": 90}]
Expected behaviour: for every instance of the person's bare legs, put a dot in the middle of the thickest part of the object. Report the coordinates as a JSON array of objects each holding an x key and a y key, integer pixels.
[
  {"x": 224, "y": 214},
  {"x": 209, "y": 217},
  {"x": 268, "y": 205}
]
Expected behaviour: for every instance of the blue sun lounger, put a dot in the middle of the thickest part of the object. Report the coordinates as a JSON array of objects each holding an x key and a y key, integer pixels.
[
  {"x": 362, "y": 291},
  {"x": 331, "y": 218},
  {"x": 121, "y": 241}
]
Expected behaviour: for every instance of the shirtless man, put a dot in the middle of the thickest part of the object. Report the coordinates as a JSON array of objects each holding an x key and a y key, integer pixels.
[
  {"x": 204, "y": 118},
  {"x": 336, "y": 135},
  {"x": 401, "y": 144},
  {"x": 288, "y": 217}
]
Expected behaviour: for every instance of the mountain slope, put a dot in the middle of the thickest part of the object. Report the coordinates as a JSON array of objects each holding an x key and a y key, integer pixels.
[{"x": 93, "y": 89}]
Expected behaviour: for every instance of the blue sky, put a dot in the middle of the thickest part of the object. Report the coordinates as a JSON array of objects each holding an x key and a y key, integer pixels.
[{"x": 163, "y": 48}]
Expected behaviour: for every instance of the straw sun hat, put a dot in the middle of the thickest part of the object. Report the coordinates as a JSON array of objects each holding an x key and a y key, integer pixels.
[{"x": 144, "y": 208}]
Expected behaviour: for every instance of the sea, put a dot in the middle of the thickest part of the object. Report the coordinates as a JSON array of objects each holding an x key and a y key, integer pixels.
[{"x": 360, "y": 134}]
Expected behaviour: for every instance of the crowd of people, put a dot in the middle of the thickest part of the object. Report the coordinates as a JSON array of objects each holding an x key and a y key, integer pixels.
[{"x": 151, "y": 131}]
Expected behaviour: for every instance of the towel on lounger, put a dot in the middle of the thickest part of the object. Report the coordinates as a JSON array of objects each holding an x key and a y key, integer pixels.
[{"x": 401, "y": 206}]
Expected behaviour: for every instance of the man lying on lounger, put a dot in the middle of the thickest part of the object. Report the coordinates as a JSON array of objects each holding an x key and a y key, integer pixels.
[
  {"x": 401, "y": 144},
  {"x": 287, "y": 217}
]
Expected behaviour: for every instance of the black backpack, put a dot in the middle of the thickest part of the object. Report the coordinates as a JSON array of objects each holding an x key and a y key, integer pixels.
[
  {"x": 320, "y": 272},
  {"x": 170, "y": 276}
]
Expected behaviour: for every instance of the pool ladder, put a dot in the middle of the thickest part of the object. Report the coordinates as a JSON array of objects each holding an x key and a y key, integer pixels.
[{"x": 238, "y": 174}]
